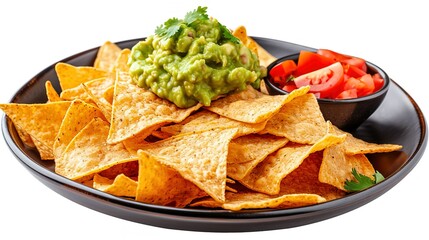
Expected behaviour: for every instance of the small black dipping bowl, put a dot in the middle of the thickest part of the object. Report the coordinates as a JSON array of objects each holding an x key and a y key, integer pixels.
[{"x": 346, "y": 114}]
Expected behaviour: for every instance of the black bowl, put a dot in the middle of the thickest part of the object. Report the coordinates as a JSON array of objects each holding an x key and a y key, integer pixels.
[
  {"x": 347, "y": 114},
  {"x": 399, "y": 120}
]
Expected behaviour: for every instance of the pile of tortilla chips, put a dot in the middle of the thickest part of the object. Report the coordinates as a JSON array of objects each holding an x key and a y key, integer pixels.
[{"x": 247, "y": 150}]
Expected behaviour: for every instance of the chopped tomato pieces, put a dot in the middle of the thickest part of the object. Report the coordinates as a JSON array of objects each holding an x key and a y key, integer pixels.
[{"x": 329, "y": 75}]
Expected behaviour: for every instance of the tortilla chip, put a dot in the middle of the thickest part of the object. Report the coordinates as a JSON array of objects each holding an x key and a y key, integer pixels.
[
  {"x": 51, "y": 93},
  {"x": 267, "y": 175},
  {"x": 252, "y": 106},
  {"x": 108, "y": 94},
  {"x": 299, "y": 120},
  {"x": 337, "y": 166},
  {"x": 122, "y": 185},
  {"x": 163, "y": 185},
  {"x": 265, "y": 58},
  {"x": 135, "y": 110},
  {"x": 121, "y": 63},
  {"x": 95, "y": 90},
  {"x": 206, "y": 120},
  {"x": 70, "y": 76},
  {"x": 76, "y": 93},
  {"x": 204, "y": 164},
  {"x": 251, "y": 200},
  {"x": 78, "y": 115},
  {"x": 354, "y": 145},
  {"x": 248, "y": 151},
  {"x": 89, "y": 153},
  {"x": 25, "y": 137},
  {"x": 305, "y": 179},
  {"x": 106, "y": 56},
  {"x": 41, "y": 120},
  {"x": 129, "y": 169}
]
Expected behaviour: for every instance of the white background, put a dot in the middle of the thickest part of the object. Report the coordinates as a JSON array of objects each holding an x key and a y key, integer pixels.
[{"x": 36, "y": 34}]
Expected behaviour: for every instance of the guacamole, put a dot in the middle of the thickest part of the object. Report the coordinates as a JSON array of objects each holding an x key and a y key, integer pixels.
[{"x": 193, "y": 61}]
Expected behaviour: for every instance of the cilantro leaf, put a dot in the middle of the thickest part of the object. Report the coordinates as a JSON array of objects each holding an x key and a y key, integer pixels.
[
  {"x": 169, "y": 28},
  {"x": 198, "y": 14},
  {"x": 227, "y": 35},
  {"x": 361, "y": 181}
]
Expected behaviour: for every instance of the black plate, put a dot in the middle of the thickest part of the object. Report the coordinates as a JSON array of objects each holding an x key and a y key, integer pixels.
[{"x": 398, "y": 120}]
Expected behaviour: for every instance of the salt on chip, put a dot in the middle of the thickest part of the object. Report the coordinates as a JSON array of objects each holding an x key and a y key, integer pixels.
[
  {"x": 89, "y": 153},
  {"x": 337, "y": 166},
  {"x": 252, "y": 106},
  {"x": 267, "y": 175},
  {"x": 71, "y": 76},
  {"x": 51, "y": 93},
  {"x": 135, "y": 110},
  {"x": 106, "y": 56},
  {"x": 78, "y": 115},
  {"x": 163, "y": 185},
  {"x": 204, "y": 163},
  {"x": 41, "y": 121},
  {"x": 248, "y": 151},
  {"x": 299, "y": 120},
  {"x": 120, "y": 186}
]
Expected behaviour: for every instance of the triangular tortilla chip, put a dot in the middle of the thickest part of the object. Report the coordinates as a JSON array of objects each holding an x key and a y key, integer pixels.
[
  {"x": 41, "y": 121},
  {"x": 299, "y": 120},
  {"x": 78, "y": 115},
  {"x": 204, "y": 164},
  {"x": 161, "y": 184},
  {"x": 135, "y": 110},
  {"x": 106, "y": 56},
  {"x": 120, "y": 186},
  {"x": 252, "y": 106},
  {"x": 51, "y": 93},
  {"x": 71, "y": 76},
  {"x": 88, "y": 153}
]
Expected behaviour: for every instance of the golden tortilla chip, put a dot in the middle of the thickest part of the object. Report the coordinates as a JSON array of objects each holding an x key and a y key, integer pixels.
[
  {"x": 305, "y": 179},
  {"x": 135, "y": 110},
  {"x": 299, "y": 120},
  {"x": 252, "y": 200},
  {"x": 248, "y": 151},
  {"x": 337, "y": 166},
  {"x": 268, "y": 174},
  {"x": 70, "y": 76},
  {"x": 78, "y": 115},
  {"x": 51, "y": 93},
  {"x": 206, "y": 120},
  {"x": 122, "y": 185},
  {"x": 89, "y": 153},
  {"x": 108, "y": 94},
  {"x": 265, "y": 58},
  {"x": 95, "y": 90},
  {"x": 41, "y": 121},
  {"x": 106, "y": 56},
  {"x": 163, "y": 185},
  {"x": 354, "y": 145},
  {"x": 252, "y": 106},
  {"x": 121, "y": 63},
  {"x": 76, "y": 93},
  {"x": 204, "y": 164}
]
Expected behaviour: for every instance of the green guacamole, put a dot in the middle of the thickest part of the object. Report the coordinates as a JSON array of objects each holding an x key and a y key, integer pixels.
[{"x": 195, "y": 65}]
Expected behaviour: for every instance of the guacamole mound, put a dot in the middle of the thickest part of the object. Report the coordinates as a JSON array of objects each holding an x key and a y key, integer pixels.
[{"x": 196, "y": 65}]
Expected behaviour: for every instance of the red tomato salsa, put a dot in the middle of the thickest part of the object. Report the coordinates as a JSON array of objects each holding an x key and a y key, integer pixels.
[{"x": 329, "y": 74}]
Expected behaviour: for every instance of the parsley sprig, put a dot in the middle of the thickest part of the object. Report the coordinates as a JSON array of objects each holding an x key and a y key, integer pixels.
[
  {"x": 173, "y": 26},
  {"x": 361, "y": 181}
]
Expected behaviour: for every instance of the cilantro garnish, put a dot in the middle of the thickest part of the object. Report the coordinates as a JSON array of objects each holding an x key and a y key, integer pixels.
[
  {"x": 362, "y": 182},
  {"x": 173, "y": 26}
]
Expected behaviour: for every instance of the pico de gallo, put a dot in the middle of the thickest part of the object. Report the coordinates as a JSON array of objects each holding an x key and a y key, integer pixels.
[{"x": 330, "y": 75}]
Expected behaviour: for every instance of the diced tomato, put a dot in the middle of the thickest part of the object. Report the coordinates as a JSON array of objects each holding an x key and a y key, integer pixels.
[
  {"x": 378, "y": 82},
  {"x": 353, "y": 71},
  {"x": 326, "y": 81},
  {"x": 310, "y": 61},
  {"x": 289, "y": 87},
  {"x": 363, "y": 85},
  {"x": 281, "y": 71},
  {"x": 345, "y": 59},
  {"x": 347, "y": 94}
]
